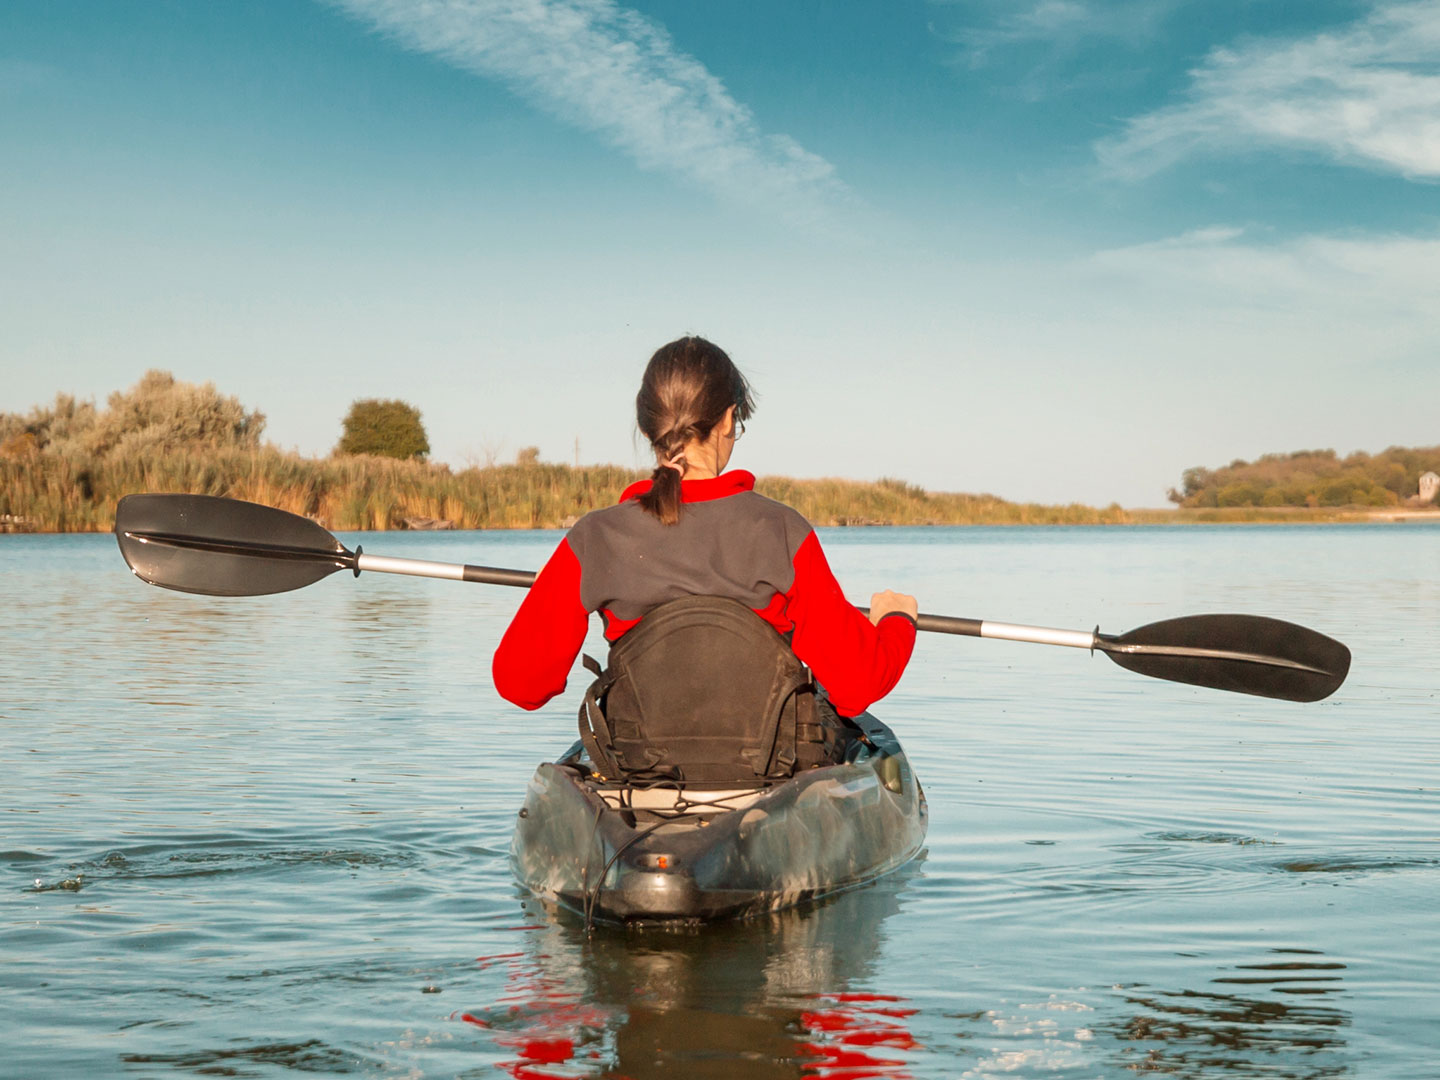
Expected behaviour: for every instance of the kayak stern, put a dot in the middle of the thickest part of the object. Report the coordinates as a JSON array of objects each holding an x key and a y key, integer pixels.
[{"x": 626, "y": 854}]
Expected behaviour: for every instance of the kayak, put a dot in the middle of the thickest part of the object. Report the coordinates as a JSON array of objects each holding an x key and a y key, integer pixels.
[{"x": 624, "y": 853}]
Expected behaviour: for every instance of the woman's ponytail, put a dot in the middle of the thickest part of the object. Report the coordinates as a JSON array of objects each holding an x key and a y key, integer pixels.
[
  {"x": 663, "y": 498},
  {"x": 687, "y": 388}
]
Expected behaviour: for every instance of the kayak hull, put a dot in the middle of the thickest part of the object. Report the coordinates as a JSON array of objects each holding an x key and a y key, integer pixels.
[{"x": 649, "y": 854}]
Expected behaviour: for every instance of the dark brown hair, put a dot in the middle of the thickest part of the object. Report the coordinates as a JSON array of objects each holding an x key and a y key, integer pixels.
[{"x": 687, "y": 387}]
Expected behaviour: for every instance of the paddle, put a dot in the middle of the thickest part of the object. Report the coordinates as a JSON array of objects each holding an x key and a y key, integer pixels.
[{"x": 224, "y": 547}]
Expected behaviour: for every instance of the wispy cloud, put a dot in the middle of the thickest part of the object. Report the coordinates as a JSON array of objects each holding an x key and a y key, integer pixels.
[
  {"x": 1377, "y": 286},
  {"x": 1047, "y": 48},
  {"x": 619, "y": 74},
  {"x": 1064, "y": 24},
  {"x": 1367, "y": 94}
]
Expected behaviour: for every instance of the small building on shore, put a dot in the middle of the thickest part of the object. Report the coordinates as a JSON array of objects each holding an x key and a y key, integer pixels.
[{"x": 1429, "y": 487}]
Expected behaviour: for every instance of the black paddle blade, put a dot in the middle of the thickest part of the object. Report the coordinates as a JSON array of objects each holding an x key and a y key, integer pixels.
[
  {"x": 1248, "y": 654},
  {"x": 223, "y": 547}
]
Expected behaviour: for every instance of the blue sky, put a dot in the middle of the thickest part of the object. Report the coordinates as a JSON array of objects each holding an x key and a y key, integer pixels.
[{"x": 1051, "y": 250}]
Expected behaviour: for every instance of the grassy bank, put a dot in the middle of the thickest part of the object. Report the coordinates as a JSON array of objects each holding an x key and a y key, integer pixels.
[
  {"x": 59, "y": 494},
  {"x": 65, "y": 493},
  {"x": 46, "y": 492},
  {"x": 64, "y": 466},
  {"x": 893, "y": 502},
  {"x": 43, "y": 492}
]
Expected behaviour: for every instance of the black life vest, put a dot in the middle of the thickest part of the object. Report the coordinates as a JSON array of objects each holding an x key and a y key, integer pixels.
[{"x": 704, "y": 691}]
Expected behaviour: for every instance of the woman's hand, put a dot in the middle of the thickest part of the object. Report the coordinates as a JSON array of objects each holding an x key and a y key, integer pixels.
[{"x": 887, "y": 603}]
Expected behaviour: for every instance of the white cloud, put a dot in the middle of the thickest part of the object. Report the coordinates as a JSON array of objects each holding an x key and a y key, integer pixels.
[
  {"x": 615, "y": 72},
  {"x": 1250, "y": 302},
  {"x": 1368, "y": 94},
  {"x": 1225, "y": 264},
  {"x": 1052, "y": 48},
  {"x": 1062, "y": 24}
]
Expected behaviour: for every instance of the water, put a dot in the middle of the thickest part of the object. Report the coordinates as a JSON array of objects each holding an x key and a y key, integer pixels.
[{"x": 267, "y": 837}]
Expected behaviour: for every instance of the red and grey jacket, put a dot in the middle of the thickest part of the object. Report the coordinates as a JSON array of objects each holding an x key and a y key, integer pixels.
[{"x": 731, "y": 542}]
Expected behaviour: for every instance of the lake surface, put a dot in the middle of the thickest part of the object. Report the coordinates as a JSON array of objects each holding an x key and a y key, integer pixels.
[{"x": 267, "y": 837}]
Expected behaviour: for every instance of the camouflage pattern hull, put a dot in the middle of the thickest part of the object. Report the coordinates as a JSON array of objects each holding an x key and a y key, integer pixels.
[{"x": 658, "y": 854}]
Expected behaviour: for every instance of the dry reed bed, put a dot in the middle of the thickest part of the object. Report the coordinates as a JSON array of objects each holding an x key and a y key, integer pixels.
[{"x": 70, "y": 493}]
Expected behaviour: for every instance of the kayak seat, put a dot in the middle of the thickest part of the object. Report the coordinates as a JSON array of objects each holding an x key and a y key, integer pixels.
[{"x": 704, "y": 691}]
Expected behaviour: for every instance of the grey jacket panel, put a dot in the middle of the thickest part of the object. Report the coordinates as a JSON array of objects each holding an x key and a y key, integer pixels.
[{"x": 740, "y": 546}]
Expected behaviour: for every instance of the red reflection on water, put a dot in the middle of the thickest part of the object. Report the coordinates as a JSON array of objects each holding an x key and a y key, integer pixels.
[
  {"x": 546, "y": 1050},
  {"x": 835, "y": 1063},
  {"x": 535, "y": 1051},
  {"x": 900, "y": 1040},
  {"x": 539, "y": 1020},
  {"x": 486, "y": 961},
  {"x": 552, "y": 1034},
  {"x": 853, "y": 1022}
]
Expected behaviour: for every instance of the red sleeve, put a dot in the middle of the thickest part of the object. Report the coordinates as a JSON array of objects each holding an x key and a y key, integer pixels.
[
  {"x": 857, "y": 662},
  {"x": 539, "y": 647}
]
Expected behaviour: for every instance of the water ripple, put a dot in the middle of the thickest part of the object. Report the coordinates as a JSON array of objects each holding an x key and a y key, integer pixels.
[{"x": 310, "y": 1056}]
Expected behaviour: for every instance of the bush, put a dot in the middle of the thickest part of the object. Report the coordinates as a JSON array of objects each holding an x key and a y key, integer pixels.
[
  {"x": 159, "y": 414},
  {"x": 384, "y": 428}
]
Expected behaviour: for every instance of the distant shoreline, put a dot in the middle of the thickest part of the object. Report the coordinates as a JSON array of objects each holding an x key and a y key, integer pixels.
[
  {"x": 1285, "y": 515},
  {"x": 381, "y": 495},
  {"x": 64, "y": 467}
]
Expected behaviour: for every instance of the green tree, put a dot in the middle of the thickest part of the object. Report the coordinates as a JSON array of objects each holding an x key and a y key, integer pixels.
[{"x": 386, "y": 428}]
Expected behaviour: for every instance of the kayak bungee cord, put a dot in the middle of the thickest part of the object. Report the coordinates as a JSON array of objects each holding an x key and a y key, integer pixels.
[
  {"x": 592, "y": 896},
  {"x": 680, "y": 810}
]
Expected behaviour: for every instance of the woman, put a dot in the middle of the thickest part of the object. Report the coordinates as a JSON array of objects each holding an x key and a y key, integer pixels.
[{"x": 694, "y": 529}]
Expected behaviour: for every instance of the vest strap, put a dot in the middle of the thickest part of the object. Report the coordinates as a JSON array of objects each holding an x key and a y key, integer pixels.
[{"x": 595, "y": 730}]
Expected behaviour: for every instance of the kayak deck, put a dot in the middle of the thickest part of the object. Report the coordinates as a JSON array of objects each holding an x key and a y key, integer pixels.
[{"x": 667, "y": 853}]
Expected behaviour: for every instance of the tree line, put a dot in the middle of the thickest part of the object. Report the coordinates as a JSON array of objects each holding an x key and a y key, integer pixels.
[{"x": 1310, "y": 478}]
